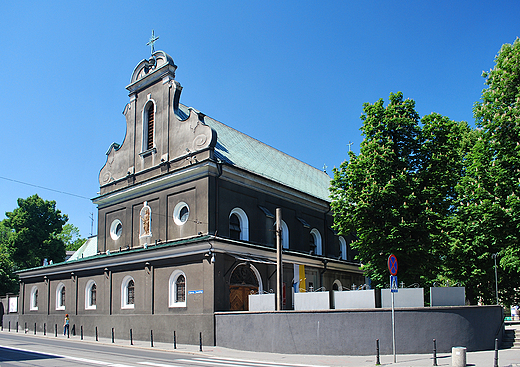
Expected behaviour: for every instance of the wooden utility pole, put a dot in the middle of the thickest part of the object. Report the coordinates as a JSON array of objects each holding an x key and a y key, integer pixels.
[{"x": 279, "y": 268}]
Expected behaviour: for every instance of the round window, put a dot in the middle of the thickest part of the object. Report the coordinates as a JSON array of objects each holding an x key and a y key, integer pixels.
[
  {"x": 181, "y": 213},
  {"x": 116, "y": 229}
]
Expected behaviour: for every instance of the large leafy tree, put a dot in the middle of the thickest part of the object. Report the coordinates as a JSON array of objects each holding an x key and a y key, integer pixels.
[
  {"x": 8, "y": 280},
  {"x": 488, "y": 215},
  {"x": 71, "y": 237},
  {"x": 397, "y": 193},
  {"x": 35, "y": 226}
]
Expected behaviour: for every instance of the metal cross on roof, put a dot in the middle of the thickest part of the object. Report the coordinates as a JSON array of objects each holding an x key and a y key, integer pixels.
[{"x": 153, "y": 39}]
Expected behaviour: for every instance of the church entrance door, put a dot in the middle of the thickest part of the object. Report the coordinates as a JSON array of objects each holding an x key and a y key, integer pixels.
[{"x": 243, "y": 282}]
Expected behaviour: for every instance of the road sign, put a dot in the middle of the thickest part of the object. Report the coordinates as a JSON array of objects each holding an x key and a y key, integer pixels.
[
  {"x": 392, "y": 264},
  {"x": 393, "y": 284}
]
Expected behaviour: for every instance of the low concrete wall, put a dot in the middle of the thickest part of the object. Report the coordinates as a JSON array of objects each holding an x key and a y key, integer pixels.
[
  {"x": 262, "y": 302},
  {"x": 354, "y": 332},
  {"x": 405, "y": 297},
  {"x": 447, "y": 296},
  {"x": 355, "y": 299},
  {"x": 311, "y": 301}
]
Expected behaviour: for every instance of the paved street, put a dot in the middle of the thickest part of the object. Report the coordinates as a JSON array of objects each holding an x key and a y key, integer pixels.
[{"x": 19, "y": 349}]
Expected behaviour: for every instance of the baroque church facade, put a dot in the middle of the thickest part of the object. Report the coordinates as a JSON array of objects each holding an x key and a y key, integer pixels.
[{"x": 186, "y": 226}]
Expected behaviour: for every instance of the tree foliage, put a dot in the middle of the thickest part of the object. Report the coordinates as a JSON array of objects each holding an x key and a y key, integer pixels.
[
  {"x": 71, "y": 237},
  {"x": 396, "y": 194},
  {"x": 444, "y": 198},
  {"x": 8, "y": 280},
  {"x": 35, "y": 226}
]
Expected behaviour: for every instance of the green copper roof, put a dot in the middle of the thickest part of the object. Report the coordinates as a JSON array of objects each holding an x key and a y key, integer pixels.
[{"x": 241, "y": 150}]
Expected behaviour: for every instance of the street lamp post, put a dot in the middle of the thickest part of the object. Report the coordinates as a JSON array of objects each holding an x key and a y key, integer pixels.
[{"x": 494, "y": 256}]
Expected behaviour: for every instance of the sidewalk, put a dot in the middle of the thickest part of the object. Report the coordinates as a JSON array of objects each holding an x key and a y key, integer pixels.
[{"x": 507, "y": 357}]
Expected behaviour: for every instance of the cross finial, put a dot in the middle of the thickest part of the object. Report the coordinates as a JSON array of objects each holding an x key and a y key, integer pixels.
[
  {"x": 153, "y": 39},
  {"x": 325, "y": 168},
  {"x": 349, "y": 144}
]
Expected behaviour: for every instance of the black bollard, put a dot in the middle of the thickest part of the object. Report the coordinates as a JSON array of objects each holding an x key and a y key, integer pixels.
[
  {"x": 131, "y": 338},
  {"x": 16, "y": 326},
  {"x": 174, "y": 340},
  {"x": 81, "y": 331},
  {"x": 56, "y": 330},
  {"x": 496, "y": 353},
  {"x": 96, "y": 334},
  {"x": 44, "y": 328},
  {"x": 74, "y": 330},
  {"x": 25, "y": 330},
  {"x": 151, "y": 338},
  {"x": 377, "y": 353},
  {"x": 434, "y": 352},
  {"x": 68, "y": 332},
  {"x": 9, "y": 326},
  {"x": 34, "y": 328},
  {"x": 112, "y": 335},
  {"x": 200, "y": 341}
]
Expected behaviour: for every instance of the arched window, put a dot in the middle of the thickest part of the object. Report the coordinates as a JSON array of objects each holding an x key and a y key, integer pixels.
[
  {"x": 34, "y": 299},
  {"x": 285, "y": 235},
  {"x": 343, "y": 248},
  {"x": 238, "y": 225},
  {"x": 150, "y": 121},
  {"x": 177, "y": 286},
  {"x": 60, "y": 297},
  {"x": 128, "y": 292},
  {"x": 90, "y": 295},
  {"x": 315, "y": 242}
]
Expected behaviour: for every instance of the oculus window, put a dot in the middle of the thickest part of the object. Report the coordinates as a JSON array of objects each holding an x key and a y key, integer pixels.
[
  {"x": 116, "y": 229},
  {"x": 181, "y": 213}
]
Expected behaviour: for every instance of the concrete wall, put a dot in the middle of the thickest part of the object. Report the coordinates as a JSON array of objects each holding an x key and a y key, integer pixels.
[
  {"x": 354, "y": 332},
  {"x": 311, "y": 301},
  {"x": 447, "y": 296},
  {"x": 405, "y": 297},
  {"x": 262, "y": 302},
  {"x": 355, "y": 299}
]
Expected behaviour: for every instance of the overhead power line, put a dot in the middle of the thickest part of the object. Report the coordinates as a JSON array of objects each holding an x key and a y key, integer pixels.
[{"x": 45, "y": 188}]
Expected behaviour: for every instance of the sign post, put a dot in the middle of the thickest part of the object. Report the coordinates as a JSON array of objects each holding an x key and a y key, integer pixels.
[{"x": 392, "y": 267}]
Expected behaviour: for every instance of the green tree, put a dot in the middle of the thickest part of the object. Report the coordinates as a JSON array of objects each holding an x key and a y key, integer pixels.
[
  {"x": 8, "y": 280},
  {"x": 36, "y": 224},
  {"x": 71, "y": 237},
  {"x": 488, "y": 214},
  {"x": 397, "y": 193}
]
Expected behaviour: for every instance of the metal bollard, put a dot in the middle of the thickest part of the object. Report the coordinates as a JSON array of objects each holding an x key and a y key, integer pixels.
[
  {"x": 200, "y": 341},
  {"x": 81, "y": 331},
  {"x": 96, "y": 334},
  {"x": 25, "y": 330},
  {"x": 377, "y": 353},
  {"x": 44, "y": 329},
  {"x": 174, "y": 340},
  {"x": 496, "y": 353},
  {"x": 151, "y": 338},
  {"x": 16, "y": 326},
  {"x": 434, "y": 352},
  {"x": 112, "y": 335},
  {"x": 9, "y": 326},
  {"x": 56, "y": 330},
  {"x": 68, "y": 332},
  {"x": 131, "y": 338},
  {"x": 34, "y": 328}
]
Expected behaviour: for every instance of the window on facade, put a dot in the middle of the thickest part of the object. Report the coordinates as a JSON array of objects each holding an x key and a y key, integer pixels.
[
  {"x": 180, "y": 289},
  {"x": 177, "y": 296},
  {"x": 34, "y": 298},
  {"x": 116, "y": 229},
  {"x": 150, "y": 126},
  {"x": 234, "y": 227},
  {"x": 181, "y": 213},
  {"x": 60, "y": 297},
  {"x": 90, "y": 295},
  {"x": 343, "y": 248},
  {"x": 312, "y": 244},
  {"x": 130, "y": 293},
  {"x": 315, "y": 242}
]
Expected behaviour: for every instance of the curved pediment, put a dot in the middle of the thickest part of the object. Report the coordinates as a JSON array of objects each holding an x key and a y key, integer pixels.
[{"x": 148, "y": 70}]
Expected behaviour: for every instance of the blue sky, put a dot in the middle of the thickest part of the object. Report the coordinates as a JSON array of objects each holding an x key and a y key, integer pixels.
[{"x": 293, "y": 74}]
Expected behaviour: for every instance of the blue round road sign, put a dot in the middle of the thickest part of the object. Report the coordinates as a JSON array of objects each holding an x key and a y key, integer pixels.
[{"x": 392, "y": 264}]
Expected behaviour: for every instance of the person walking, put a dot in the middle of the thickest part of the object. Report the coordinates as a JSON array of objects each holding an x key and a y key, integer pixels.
[{"x": 66, "y": 325}]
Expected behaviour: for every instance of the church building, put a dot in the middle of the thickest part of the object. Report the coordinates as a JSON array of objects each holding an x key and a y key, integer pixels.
[{"x": 186, "y": 226}]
